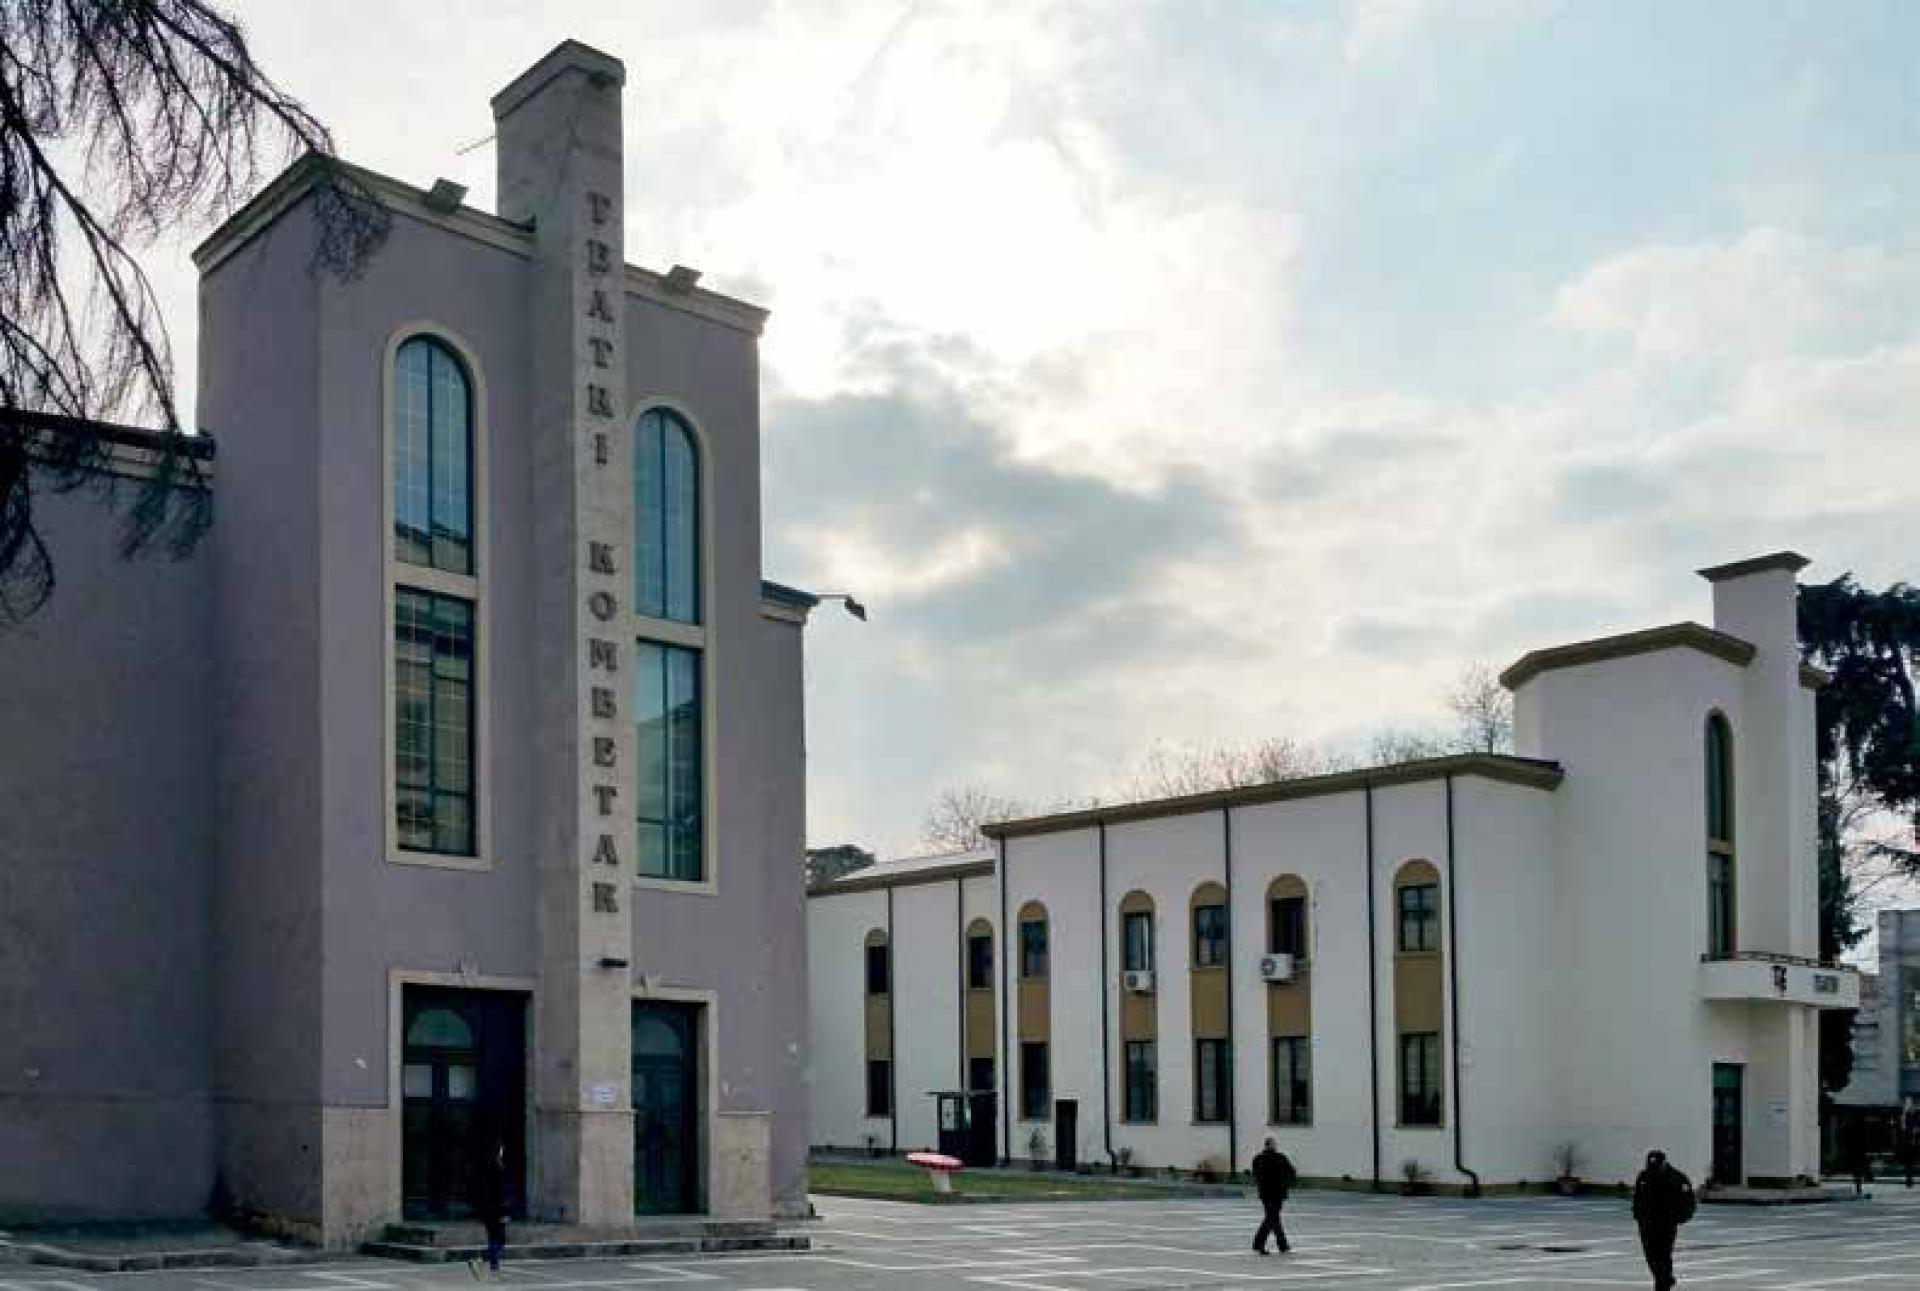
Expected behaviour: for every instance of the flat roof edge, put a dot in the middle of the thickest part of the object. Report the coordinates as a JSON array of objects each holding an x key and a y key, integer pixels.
[
  {"x": 862, "y": 881},
  {"x": 1532, "y": 773},
  {"x": 1671, "y": 636}
]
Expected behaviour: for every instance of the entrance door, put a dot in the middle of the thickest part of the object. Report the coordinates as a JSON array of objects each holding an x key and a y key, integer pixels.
[
  {"x": 666, "y": 1109},
  {"x": 463, "y": 1090},
  {"x": 1066, "y": 1133},
  {"x": 1728, "y": 1117}
]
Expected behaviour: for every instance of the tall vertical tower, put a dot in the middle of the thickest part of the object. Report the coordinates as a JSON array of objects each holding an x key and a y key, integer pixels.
[{"x": 560, "y": 171}]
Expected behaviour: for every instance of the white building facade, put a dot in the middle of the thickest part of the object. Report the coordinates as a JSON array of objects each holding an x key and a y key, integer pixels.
[{"x": 1606, "y": 940}]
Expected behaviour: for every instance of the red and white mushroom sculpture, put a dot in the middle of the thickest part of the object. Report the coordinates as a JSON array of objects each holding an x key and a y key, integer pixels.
[{"x": 939, "y": 1166}]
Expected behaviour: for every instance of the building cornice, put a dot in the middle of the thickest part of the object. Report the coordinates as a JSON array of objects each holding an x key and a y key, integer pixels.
[
  {"x": 1531, "y": 773},
  {"x": 131, "y": 452},
  {"x": 1791, "y": 562},
  {"x": 1673, "y": 636},
  {"x": 403, "y": 199},
  {"x": 863, "y": 881}
]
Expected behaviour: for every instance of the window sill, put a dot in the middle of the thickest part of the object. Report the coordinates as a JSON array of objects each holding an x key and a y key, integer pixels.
[
  {"x": 1402, "y": 1125},
  {"x": 1289, "y": 1125},
  {"x": 1416, "y": 954},
  {"x": 439, "y": 861},
  {"x": 684, "y": 887},
  {"x": 1220, "y": 1124},
  {"x": 1208, "y": 968}
]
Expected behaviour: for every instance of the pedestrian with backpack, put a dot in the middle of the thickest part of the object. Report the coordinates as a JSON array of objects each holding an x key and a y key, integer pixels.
[
  {"x": 1662, "y": 1201},
  {"x": 1273, "y": 1175}
]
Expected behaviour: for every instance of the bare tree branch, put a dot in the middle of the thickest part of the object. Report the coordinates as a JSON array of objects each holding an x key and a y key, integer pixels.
[{"x": 172, "y": 123}]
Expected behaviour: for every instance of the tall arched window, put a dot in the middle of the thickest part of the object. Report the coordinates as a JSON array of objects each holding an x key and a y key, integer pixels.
[
  {"x": 432, "y": 458},
  {"x": 666, "y": 518},
  {"x": 1419, "y": 991},
  {"x": 434, "y": 704},
  {"x": 1721, "y": 939}
]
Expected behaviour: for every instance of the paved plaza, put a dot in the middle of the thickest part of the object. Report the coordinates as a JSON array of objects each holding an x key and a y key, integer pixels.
[{"x": 1341, "y": 1240}]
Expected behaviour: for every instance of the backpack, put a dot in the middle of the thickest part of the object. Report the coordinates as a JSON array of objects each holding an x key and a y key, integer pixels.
[
  {"x": 1287, "y": 1173},
  {"x": 1683, "y": 1200}
]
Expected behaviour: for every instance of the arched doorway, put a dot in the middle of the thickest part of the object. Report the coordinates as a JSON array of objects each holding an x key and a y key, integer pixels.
[
  {"x": 666, "y": 1109},
  {"x": 462, "y": 1078}
]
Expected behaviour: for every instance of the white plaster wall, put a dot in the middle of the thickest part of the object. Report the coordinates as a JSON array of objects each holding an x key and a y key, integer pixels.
[
  {"x": 1167, "y": 859},
  {"x": 1409, "y": 823},
  {"x": 1503, "y": 863},
  {"x": 1323, "y": 840},
  {"x": 926, "y": 1003},
  {"x": 837, "y": 929},
  {"x": 1061, "y": 871}
]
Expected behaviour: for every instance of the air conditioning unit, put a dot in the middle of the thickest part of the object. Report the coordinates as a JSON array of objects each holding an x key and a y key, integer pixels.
[
  {"x": 1276, "y": 968},
  {"x": 1138, "y": 981}
]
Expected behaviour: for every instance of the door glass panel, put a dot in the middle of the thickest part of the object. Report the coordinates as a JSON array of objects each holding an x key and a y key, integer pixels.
[
  {"x": 463, "y": 1084},
  {"x": 417, "y": 1080}
]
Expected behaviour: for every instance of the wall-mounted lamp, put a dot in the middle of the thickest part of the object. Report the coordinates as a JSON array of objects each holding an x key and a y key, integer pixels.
[
  {"x": 853, "y": 607},
  {"x": 612, "y": 961}
]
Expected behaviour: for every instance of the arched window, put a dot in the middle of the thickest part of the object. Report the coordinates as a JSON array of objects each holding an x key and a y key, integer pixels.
[
  {"x": 666, "y": 518},
  {"x": 1721, "y": 939},
  {"x": 879, "y": 964},
  {"x": 1418, "y": 991},
  {"x": 1209, "y": 926},
  {"x": 1033, "y": 940},
  {"x": 432, "y": 458},
  {"x": 1287, "y": 917}
]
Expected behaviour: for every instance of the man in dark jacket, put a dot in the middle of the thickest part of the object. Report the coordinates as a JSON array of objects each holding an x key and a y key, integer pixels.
[
  {"x": 1662, "y": 1201},
  {"x": 489, "y": 1197},
  {"x": 1272, "y": 1175}
]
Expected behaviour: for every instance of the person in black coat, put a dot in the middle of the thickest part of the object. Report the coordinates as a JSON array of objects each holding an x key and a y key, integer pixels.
[
  {"x": 489, "y": 1197},
  {"x": 1662, "y": 1201},
  {"x": 1272, "y": 1175}
]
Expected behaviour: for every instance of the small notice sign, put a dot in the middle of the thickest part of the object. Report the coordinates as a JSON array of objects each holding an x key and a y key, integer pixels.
[{"x": 603, "y": 1095}]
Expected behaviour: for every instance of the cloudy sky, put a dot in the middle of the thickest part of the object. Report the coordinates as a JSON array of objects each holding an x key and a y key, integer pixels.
[{"x": 1199, "y": 372}]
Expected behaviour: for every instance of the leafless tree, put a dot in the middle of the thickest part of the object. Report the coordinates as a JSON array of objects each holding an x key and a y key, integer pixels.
[
  {"x": 953, "y": 823},
  {"x": 1483, "y": 710},
  {"x": 1170, "y": 771},
  {"x": 120, "y": 120}
]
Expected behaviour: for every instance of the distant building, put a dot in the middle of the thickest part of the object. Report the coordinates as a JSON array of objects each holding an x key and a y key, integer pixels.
[
  {"x": 1886, "y": 1032},
  {"x": 451, "y": 791},
  {"x": 1607, "y": 940}
]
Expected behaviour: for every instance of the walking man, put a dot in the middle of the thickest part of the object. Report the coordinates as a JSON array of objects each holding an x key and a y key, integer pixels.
[
  {"x": 1272, "y": 1174},
  {"x": 490, "y": 1200},
  {"x": 1662, "y": 1201}
]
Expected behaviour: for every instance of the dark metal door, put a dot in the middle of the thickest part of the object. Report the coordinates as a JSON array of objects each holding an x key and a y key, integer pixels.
[
  {"x": 1066, "y": 1133},
  {"x": 463, "y": 1089},
  {"x": 1728, "y": 1118},
  {"x": 666, "y": 1106},
  {"x": 983, "y": 1129}
]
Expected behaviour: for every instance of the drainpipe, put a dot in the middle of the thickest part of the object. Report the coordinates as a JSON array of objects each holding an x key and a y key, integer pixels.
[
  {"x": 893, "y": 1032},
  {"x": 960, "y": 1027},
  {"x": 1106, "y": 1044},
  {"x": 1373, "y": 1004},
  {"x": 1007, "y": 952},
  {"x": 1233, "y": 1051},
  {"x": 1453, "y": 988}
]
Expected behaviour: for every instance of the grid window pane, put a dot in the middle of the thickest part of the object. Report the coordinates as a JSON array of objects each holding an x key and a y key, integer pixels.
[
  {"x": 1212, "y": 1071},
  {"x": 1420, "y": 1078},
  {"x": 979, "y": 962},
  {"x": 433, "y": 722},
  {"x": 1719, "y": 780},
  {"x": 1136, "y": 929},
  {"x": 666, "y": 511},
  {"x": 1419, "y": 917},
  {"x": 1033, "y": 948},
  {"x": 980, "y": 1073},
  {"x": 1036, "y": 1082},
  {"x": 669, "y": 762},
  {"x": 432, "y": 458},
  {"x": 879, "y": 976},
  {"x": 1287, "y": 927},
  {"x": 1719, "y": 904},
  {"x": 879, "y": 1087},
  {"x": 1209, "y": 936},
  {"x": 1292, "y": 1077},
  {"x": 1143, "y": 1082}
]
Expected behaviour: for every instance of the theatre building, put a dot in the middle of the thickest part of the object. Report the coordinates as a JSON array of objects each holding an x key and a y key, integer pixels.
[
  {"x": 1605, "y": 940},
  {"x": 449, "y": 792}
]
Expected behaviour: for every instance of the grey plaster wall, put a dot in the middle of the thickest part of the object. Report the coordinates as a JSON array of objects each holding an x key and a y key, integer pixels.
[
  {"x": 259, "y": 387},
  {"x": 106, "y": 883},
  {"x": 748, "y": 943},
  {"x": 384, "y": 917}
]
